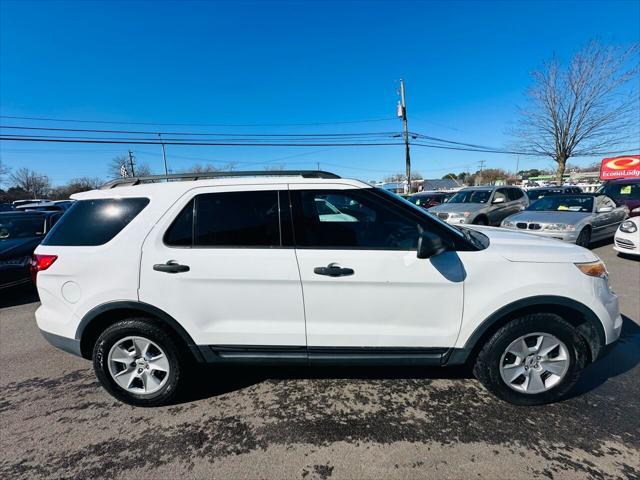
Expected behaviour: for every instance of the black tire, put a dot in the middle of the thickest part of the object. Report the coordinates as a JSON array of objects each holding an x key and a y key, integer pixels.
[
  {"x": 584, "y": 238},
  {"x": 481, "y": 221},
  {"x": 142, "y": 327},
  {"x": 487, "y": 365}
]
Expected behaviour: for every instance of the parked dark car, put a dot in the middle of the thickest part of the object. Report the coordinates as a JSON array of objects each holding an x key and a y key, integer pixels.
[
  {"x": 6, "y": 207},
  {"x": 20, "y": 234},
  {"x": 624, "y": 191},
  {"x": 429, "y": 199},
  {"x": 539, "y": 192}
]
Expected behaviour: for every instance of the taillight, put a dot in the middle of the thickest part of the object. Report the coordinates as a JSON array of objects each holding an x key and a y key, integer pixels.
[{"x": 40, "y": 263}]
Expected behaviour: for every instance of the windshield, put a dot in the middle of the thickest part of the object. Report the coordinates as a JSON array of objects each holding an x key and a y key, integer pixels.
[
  {"x": 562, "y": 203},
  {"x": 21, "y": 227},
  {"x": 471, "y": 196},
  {"x": 621, "y": 191},
  {"x": 424, "y": 199}
]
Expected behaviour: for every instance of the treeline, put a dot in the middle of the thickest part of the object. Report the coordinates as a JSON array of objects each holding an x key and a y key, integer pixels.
[{"x": 25, "y": 184}]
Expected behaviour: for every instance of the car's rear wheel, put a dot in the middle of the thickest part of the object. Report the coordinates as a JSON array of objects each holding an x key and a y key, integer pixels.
[
  {"x": 584, "y": 238},
  {"x": 138, "y": 363},
  {"x": 532, "y": 360},
  {"x": 481, "y": 221}
]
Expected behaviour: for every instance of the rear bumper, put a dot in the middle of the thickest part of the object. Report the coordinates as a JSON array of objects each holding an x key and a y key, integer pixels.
[{"x": 69, "y": 345}]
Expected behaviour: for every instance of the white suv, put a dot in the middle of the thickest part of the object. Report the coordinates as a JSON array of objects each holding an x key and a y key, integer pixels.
[{"x": 146, "y": 275}]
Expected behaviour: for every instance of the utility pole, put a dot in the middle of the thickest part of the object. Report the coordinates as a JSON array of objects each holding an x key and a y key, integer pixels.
[
  {"x": 318, "y": 166},
  {"x": 517, "y": 166},
  {"x": 133, "y": 172},
  {"x": 481, "y": 164},
  {"x": 402, "y": 113},
  {"x": 164, "y": 155}
]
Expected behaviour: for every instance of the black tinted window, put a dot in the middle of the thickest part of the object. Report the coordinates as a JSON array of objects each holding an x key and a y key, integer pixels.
[
  {"x": 180, "y": 233},
  {"x": 94, "y": 222},
  {"x": 246, "y": 219},
  {"x": 351, "y": 219},
  {"x": 514, "y": 194}
]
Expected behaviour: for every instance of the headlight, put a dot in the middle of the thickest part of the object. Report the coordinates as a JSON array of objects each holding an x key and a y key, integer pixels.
[
  {"x": 628, "y": 227},
  {"x": 459, "y": 214},
  {"x": 636, "y": 210},
  {"x": 559, "y": 227},
  {"x": 593, "y": 269},
  {"x": 508, "y": 224}
]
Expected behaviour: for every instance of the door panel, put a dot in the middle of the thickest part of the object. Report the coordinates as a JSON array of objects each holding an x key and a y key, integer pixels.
[
  {"x": 231, "y": 295},
  {"x": 393, "y": 299},
  {"x": 363, "y": 283}
]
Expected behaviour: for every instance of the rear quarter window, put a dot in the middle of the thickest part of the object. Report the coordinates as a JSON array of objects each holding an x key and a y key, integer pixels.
[{"x": 94, "y": 222}]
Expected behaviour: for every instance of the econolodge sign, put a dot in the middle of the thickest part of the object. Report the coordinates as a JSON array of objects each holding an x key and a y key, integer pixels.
[{"x": 625, "y": 166}]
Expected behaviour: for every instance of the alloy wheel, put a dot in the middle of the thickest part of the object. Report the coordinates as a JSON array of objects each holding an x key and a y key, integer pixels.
[
  {"x": 534, "y": 363},
  {"x": 138, "y": 365}
]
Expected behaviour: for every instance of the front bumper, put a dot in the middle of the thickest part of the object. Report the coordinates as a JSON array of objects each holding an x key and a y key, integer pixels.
[
  {"x": 570, "y": 237},
  {"x": 628, "y": 243}
]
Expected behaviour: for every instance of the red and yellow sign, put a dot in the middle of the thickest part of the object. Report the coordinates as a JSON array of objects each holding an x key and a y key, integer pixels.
[{"x": 626, "y": 166}]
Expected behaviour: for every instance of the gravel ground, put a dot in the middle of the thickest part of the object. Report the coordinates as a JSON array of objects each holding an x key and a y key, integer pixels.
[{"x": 56, "y": 421}]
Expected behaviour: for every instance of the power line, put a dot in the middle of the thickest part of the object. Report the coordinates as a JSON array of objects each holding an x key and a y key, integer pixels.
[
  {"x": 126, "y": 141},
  {"x": 268, "y": 142},
  {"x": 211, "y": 134},
  {"x": 110, "y": 122}
]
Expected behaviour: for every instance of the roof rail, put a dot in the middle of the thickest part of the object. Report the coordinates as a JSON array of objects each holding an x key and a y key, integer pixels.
[{"x": 204, "y": 175}]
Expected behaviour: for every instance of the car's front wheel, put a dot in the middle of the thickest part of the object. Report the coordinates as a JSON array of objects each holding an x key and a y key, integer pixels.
[
  {"x": 584, "y": 238},
  {"x": 138, "y": 363},
  {"x": 532, "y": 360}
]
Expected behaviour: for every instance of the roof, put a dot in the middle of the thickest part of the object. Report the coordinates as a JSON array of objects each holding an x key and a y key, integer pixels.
[
  {"x": 439, "y": 184},
  {"x": 175, "y": 188},
  {"x": 483, "y": 187}
]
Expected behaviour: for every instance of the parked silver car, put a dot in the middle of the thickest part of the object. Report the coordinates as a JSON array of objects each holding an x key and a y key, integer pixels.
[
  {"x": 577, "y": 219},
  {"x": 481, "y": 205}
]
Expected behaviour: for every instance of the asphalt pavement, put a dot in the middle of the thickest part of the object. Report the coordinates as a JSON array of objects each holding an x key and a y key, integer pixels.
[{"x": 307, "y": 423}]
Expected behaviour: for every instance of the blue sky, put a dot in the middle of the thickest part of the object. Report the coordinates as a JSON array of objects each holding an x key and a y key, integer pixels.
[{"x": 466, "y": 65}]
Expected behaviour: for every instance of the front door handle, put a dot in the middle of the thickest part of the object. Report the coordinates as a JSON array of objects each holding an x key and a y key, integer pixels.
[
  {"x": 333, "y": 270},
  {"x": 171, "y": 267}
]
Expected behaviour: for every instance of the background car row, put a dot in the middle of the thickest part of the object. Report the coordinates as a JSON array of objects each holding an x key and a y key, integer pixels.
[{"x": 561, "y": 212}]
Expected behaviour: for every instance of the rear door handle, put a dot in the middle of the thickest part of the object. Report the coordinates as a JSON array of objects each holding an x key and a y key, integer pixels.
[
  {"x": 333, "y": 270},
  {"x": 171, "y": 267}
]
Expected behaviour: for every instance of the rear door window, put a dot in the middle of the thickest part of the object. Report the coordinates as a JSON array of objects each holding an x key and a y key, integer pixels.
[
  {"x": 515, "y": 194},
  {"x": 228, "y": 219},
  {"x": 94, "y": 222}
]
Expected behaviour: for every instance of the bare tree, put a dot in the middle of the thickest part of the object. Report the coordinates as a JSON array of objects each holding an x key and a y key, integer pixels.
[
  {"x": 274, "y": 167},
  {"x": 75, "y": 185},
  {"x": 4, "y": 172},
  {"x": 591, "y": 107},
  {"x": 402, "y": 177},
  {"x": 121, "y": 164},
  {"x": 207, "y": 167},
  {"x": 36, "y": 184}
]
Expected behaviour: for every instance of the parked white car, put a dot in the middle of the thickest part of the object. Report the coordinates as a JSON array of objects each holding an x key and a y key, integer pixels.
[
  {"x": 144, "y": 278},
  {"x": 627, "y": 238}
]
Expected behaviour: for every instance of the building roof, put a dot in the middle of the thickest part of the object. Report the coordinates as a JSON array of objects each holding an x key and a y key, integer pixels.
[{"x": 439, "y": 184}]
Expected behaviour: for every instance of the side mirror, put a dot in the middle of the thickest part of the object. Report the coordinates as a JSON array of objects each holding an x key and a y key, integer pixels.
[
  {"x": 430, "y": 245},
  {"x": 605, "y": 210},
  {"x": 498, "y": 200}
]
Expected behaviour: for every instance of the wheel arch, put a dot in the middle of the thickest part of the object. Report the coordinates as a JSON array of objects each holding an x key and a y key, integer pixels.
[
  {"x": 579, "y": 315},
  {"x": 481, "y": 216},
  {"x": 99, "y": 318}
]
